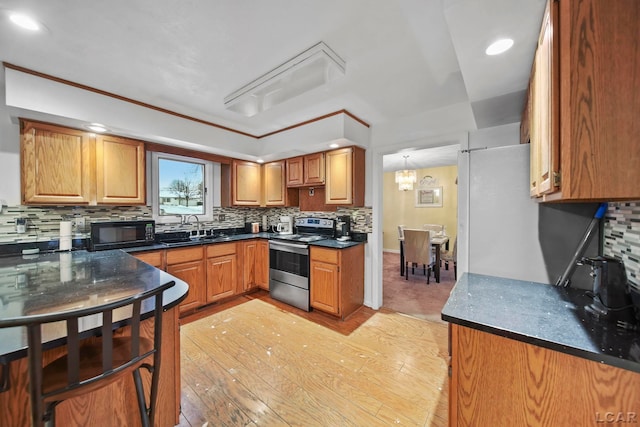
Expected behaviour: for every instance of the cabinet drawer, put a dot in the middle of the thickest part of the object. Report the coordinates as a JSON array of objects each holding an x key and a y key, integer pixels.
[
  {"x": 155, "y": 258},
  {"x": 220, "y": 249},
  {"x": 176, "y": 256},
  {"x": 324, "y": 255}
]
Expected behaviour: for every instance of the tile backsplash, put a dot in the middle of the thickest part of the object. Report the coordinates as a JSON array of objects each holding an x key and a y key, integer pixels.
[
  {"x": 622, "y": 237},
  {"x": 43, "y": 222}
]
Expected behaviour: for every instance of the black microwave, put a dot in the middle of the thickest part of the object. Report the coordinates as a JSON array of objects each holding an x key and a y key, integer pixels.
[{"x": 121, "y": 234}]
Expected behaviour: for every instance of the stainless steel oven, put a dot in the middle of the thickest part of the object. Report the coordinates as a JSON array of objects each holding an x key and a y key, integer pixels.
[{"x": 289, "y": 273}]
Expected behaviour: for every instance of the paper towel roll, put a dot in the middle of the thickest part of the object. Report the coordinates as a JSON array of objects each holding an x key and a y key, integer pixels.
[
  {"x": 65, "y": 236},
  {"x": 66, "y": 273}
]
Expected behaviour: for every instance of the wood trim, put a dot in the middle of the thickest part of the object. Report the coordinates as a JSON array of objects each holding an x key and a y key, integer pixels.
[
  {"x": 170, "y": 149},
  {"x": 172, "y": 113}
]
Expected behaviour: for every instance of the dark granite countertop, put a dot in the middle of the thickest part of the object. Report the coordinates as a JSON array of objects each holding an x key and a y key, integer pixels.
[
  {"x": 328, "y": 243},
  {"x": 58, "y": 281},
  {"x": 543, "y": 315}
]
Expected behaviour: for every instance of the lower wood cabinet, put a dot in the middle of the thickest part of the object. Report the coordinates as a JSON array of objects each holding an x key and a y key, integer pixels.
[
  {"x": 222, "y": 271},
  {"x": 249, "y": 257},
  {"x": 337, "y": 279},
  {"x": 154, "y": 258},
  {"x": 497, "y": 381},
  {"x": 262, "y": 265},
  {"x": 188, "y": 264}
]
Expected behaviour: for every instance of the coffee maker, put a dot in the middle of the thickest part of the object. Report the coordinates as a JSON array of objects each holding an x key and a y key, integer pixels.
[
  {"x": 285, "y": 225},
  {"x": 611, "y": 298},
  {"x": 343, "y": 227}
]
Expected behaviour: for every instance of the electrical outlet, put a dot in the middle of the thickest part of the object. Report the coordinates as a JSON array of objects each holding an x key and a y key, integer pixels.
[
  {"x": 79, "y": 222},
  {"x": 221, "y": 217}
]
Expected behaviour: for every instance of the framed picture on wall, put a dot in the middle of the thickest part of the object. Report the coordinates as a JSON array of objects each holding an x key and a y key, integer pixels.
[{"x": 429, "y": 197}]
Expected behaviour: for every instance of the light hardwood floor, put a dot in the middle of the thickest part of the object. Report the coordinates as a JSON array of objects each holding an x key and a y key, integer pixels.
[{"x": 257, "y": 364}]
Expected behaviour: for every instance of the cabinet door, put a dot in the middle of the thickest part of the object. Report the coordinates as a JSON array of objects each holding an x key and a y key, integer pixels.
[
  {"x": 120, "y": 170},
  {"x": 274, "y": 184},
  {"x": 295, "y": 175},
  {"x": 325, "y": 287},
  {"x": 246, "y": 182},
  {"x": 221, "y": 277},
  {"x": 193, "y": 273},
  {"x": 314, "y": 169},
  {"x": 339, "y": 188},
  {"x": 57, "y": 165},
  {"x": 249, "y": 257},
  {"x": 262, "y": 265}
]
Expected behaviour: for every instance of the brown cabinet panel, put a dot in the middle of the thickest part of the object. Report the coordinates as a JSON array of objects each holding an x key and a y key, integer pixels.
[
  {"x": 120, "y": 170},
  {"x": 262, "y": 264},
  {"x": 219, "y": 249},
  {"x": 246, "y": 183},
  {"x": 249, "y": 260},
  {"x": 314, "y": 169},
  {"x": 295, "y": 174},
  {"x": 345, "y": 177},
  {"x": 221, "y": 277},
  {"x": 154, "y": 258},
  {"x": 325, "y": 293},
  {"x": 193, "y": 273},
  {"x": 57, "y": 165},
  {"x": 275, "y": 191},
  {"x": 179, "y": 255}
]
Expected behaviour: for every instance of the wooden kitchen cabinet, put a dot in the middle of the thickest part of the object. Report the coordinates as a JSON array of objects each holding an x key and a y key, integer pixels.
[
  {"x": 222, "y": 274},
  {"x": 56, "y": 165},
  {"x": 120, "y": 171},
  {"x": 154, "y": 258},
  {"x": 498, "y": 381},
  {"x": 262, "y": 265},
  {"x": 275, "y": 191},
  {"x": 585, "y": 102},
  {"x": 188, "y": 264},
  {"x": 306, "y": 170},
  {"x": 345, "y": 177},
  {"x": 249, "y": 264},
  {"x": 337, "y": 279},
  {"x": 246, "y": 185},
  {"x": 71, "y": 167}
]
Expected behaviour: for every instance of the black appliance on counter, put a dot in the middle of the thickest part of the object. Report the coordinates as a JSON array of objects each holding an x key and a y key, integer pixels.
[
  {"x": 289, "y": 261},
  {"x": 343, "y": 227},
  {"x": 121, "y": 234}
]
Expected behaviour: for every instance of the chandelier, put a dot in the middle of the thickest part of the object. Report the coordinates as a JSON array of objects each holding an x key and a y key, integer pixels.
[{"x": 405, "y": 178}]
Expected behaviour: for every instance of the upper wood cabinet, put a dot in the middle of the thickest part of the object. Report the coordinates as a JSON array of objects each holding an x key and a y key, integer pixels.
[
  {"x": 585, "y": 102},
  {"x": 120, "y": 170},
  {"x": 306, "y": 170},
  {"x": 246, "y": 184},
  {"x": 275, "y": 191},
  {"x": 72, "y": 167},
  {"x": 345, "y": 176},
  {"x": 57, "y": 165}
]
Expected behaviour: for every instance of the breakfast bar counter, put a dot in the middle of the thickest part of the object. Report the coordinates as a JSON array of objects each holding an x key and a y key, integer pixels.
[
  {"x": 60, "y": 281},
  {"x": 525, "y": 353}
]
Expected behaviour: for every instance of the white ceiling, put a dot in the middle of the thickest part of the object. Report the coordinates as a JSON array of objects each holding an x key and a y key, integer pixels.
[{"x": 403, "y": 58}]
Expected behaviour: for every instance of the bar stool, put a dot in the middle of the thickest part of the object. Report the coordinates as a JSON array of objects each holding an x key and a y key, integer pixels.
[{"x": 93, "y": 364}]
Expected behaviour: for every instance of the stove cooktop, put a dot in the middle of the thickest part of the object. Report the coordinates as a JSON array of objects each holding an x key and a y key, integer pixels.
[{"x": 301, "y": 237}]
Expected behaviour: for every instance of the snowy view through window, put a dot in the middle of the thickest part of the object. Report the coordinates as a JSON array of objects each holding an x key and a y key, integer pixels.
[{"x": 181, "y": 187}]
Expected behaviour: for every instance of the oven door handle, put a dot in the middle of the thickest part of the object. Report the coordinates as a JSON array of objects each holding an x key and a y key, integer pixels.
[{"x": 289, "y": 247}]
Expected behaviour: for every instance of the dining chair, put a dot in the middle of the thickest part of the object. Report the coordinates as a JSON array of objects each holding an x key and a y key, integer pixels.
[
  {"x": 436, "y": 228},
  {"x": 417, "y": 251},
  {"x": 401, "y": 232},
  {"x": 451, "y": 257},
  {"x": 92, "y": 364}
]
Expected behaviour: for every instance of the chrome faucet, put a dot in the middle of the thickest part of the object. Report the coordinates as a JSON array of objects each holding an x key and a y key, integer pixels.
[{"x": 197, "y": 221}]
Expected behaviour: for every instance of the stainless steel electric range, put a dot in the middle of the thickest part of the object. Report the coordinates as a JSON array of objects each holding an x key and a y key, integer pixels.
[{"x": 289, "y": 260}]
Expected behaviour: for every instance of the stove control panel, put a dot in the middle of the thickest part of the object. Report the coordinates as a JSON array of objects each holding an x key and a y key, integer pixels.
[{"x": 315, "y": 222}]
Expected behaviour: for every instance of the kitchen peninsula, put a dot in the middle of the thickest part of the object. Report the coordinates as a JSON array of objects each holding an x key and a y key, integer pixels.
[
  {"x": 526, "y": 353},
  {"x": 59, "y": 281}
]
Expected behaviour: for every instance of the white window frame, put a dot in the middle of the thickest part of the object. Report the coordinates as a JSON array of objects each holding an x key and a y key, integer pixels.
[{"x": 212, "y": 193}]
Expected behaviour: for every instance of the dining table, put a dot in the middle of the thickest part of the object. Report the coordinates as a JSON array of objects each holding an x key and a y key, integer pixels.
[{"x": 437, "y": 241}]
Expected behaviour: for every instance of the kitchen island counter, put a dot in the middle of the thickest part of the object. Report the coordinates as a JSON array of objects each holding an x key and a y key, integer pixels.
[{"x": 55, "y": 282}]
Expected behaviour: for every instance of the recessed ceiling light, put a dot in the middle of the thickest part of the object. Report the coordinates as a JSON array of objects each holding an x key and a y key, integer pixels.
[
  {"x": 97, "y": 127},
  {"x": 499, "y": 46},
  {"x": 334, "y": 145},
  {"x": 24, "y": 21},
  {"x": 260, "y": 161}
]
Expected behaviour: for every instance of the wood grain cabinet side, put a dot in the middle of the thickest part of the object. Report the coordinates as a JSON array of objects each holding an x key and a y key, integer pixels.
[
  {"x": 337, "y": 279},
  {"x": 188, "y": 264},
  {"x": 585, "y": 102},
  {"x": 497, "y": 380},
  {"x": 275, "y": 190},
  {"x": 262, "y": 264}
]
